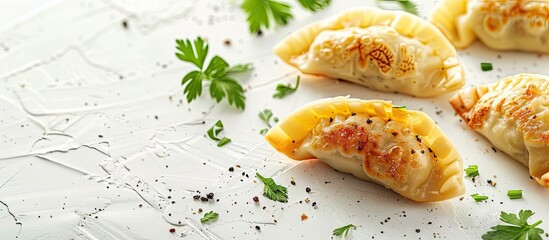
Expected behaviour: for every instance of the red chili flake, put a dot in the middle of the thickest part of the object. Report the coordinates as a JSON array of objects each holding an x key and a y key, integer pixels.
[
  {"x": 304, "y": 217},
  {"x": 172, "y": 230},
  {"x": 256, "y": 199}
]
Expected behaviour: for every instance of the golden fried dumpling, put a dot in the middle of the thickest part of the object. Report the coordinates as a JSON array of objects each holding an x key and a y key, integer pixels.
[
  {"x": 514, "y": 115},
  {"x": 375, "y": 141},
  {"x": 389, "y": 51},
  {"x": 501, "y": 24}
]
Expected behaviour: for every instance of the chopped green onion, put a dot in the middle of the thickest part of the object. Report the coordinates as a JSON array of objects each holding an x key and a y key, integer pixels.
[
  {"x": 472, "y": 171},
  {"x": 486, "y": 67},
  {"x": 223, "y": 141},
  {"x": 263, "y": 131},
  {"x": 214, "y": 130},
  {"x": 514, "y": 194},
  {"x": 478, "y": 197},
  {"x": 400, "y": 107}
]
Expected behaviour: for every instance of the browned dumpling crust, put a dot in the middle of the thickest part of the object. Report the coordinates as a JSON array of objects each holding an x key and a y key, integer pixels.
[
  {"x": 502, "y": 24},
  {"x": 514, "y": 115},
  {"x": 400, "y": 149},
  {"x": 389, "y": 51}
]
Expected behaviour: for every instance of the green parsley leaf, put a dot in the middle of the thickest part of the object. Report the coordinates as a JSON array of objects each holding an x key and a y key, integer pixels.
[
  {"x": 221, "y": 85},
  {"x": 514, "y": 194},
  {"x": 273, "y": 191},
  {"x": 194, "y": 85},
  {"x": 192, "y": 55},
  {"x": 400, "y": 107},
  {"x": 226, "y": 86},
  {"x": 209, "y": 217},
  {"x": 519, "y": 228},
  {"x": 471, "y": 171},
  {"x": 314, "y": 5},
  {"x": 217, "y": 68},
  {"x": 343, "y": 230},
  {"x": 260, "y": 12},
  {"x": 266, "y": 116},
  {"x": 283, "y": 90},
  {"x": 405, "y": 5},
  {"x": 479, "y": 198},
  {"x": 240, "y": 68},
  {"x": 215, "y": 130}
]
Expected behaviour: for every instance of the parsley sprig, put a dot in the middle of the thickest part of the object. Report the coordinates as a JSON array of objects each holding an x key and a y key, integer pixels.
[
  {"x": 343, "y": 230},
  {"x": 262, "y": 12},
  {"x": 283, "y": 90},
  {"x": 518, "y": 229},
  {"x": 266, "y": 116},
  {"x": 209, "y": 217},
  {"x": 273, "y": 191},
  {"x": 218, "y": 72}
]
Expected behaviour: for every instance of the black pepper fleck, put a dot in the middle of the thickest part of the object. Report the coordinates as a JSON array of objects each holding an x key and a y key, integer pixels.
[{"x": 308, "y": 189}]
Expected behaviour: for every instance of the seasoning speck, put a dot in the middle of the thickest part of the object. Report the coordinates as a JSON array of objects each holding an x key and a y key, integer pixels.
[
  {"x": 292, "y": 182},
  {"x": 308, "y": 189},
  {"x": 196, "y": 197},
  {"x": 304, "y": 217},
  {"x": 256, "y": 199},
  {"x": 257, "y": 228},
  {"x": 210, "y": 195},
  {"x": 204, "y": 199},
  {"x": 418, "y": 230},
  {"x": 172, "y": 230}
]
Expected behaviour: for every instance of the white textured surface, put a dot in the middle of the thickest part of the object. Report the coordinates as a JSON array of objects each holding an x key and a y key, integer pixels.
[{"x": 70, "y": 72}]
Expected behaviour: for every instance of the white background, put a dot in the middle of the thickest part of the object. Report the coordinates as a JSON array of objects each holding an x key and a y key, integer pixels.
[{"x": 96, "y": 139}]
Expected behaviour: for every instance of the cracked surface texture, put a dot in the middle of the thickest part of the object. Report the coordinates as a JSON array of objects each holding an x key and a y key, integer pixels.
[{"x": 98, "y": 142}]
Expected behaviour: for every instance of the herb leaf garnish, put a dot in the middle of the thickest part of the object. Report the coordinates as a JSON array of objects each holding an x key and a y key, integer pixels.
[
  {"x": 260, "y": 13},
  {"x": 283, "y": 90},
  {"x": 209, "y": 217},
  {"x": 314, "y": 5},
  {"x": 266, "y": 116},
  {"x": 343, "y": 230},
  {"x": 405, "y": 5},
  {"x": 273, "y": 191},
  {"x": 479, "y": 198},
  {"x": 518, "y": 228},
  {"x": 214, "y": 131},
  {"x": 217, "y": 72},
  {"x": 471, "y": 171}
]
